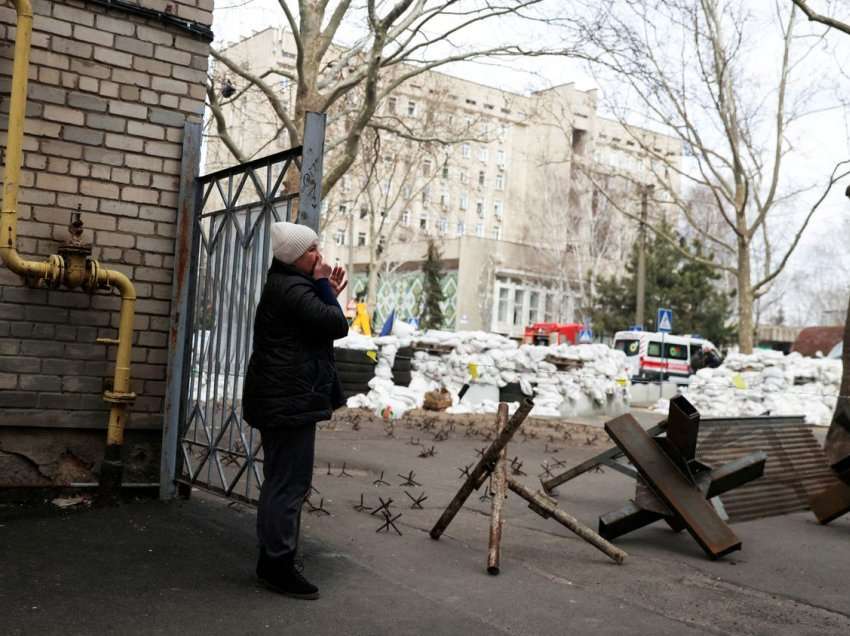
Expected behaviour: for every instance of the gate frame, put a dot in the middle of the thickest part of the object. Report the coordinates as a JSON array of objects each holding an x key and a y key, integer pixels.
[{"x": 184, "y": 279}]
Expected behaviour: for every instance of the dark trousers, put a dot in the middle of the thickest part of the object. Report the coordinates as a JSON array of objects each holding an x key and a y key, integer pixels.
[{"x": 288, "y": 472}]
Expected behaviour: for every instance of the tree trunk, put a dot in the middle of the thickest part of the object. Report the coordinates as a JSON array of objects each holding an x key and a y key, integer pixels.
[
  {"x": 372, "y": 285},
  {"x": 837, "y": 445},
  {"x": 745, "y": 297}
]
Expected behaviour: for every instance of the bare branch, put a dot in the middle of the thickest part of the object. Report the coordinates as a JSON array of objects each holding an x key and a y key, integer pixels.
[
  {"x": 833, "y": 179},
  {"x": 221, "y": 125},
  {"x": 274, "y": 101},
  {"x": 780, "y": 126},
  {"x": 817, "y": 17},
  {"x": 673, "y": 241}
]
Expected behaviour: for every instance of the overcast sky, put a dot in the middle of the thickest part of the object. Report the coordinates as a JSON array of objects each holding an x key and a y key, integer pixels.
[{"x": 819, "y": 141}]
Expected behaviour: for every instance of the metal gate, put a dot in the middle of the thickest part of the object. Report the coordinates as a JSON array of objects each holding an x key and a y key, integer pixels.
[{"x": 225, "y": 251}]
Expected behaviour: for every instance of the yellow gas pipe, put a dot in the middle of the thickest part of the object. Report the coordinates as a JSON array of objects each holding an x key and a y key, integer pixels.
[{"x": 73, "y": 267}]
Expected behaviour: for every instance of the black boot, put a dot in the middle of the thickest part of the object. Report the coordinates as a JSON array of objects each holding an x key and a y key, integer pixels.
[{"x": 282, "y": 576}]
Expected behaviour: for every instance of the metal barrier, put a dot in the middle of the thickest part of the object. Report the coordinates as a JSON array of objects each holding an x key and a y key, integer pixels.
[{"x": 223, "y": 257}]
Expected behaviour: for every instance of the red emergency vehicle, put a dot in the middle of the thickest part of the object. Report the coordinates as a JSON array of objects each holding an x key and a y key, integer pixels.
[{"x": 545, "y": 333}]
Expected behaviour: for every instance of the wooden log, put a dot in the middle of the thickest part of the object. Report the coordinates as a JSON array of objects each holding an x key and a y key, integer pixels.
[
  {"x": 484, "y": 467},
  {"x": 540, "y": 504},
  {"x": 500, "y": 491}
]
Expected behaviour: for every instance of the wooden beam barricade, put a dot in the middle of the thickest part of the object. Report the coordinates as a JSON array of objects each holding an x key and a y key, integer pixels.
[
  {"x": 483, "y": 468},
  {"x": 540, "y": 504},
  {"x": 500, "y": 492}
]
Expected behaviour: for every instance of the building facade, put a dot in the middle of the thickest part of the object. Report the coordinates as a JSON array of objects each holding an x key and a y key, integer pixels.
[
  {"x": 523, "y": 193},
  {"x": 111, "y": 88}
]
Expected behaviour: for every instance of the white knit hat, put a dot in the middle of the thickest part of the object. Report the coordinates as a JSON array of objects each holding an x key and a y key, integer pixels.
[{"x": 290, "y": 241}]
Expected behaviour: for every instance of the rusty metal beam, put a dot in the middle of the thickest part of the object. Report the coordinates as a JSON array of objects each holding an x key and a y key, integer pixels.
[
  {"x": 832, "y": 503},
  {"x": 632, "y": 517},
  {"x": 683, "y": 426},
  {"x": 672, "y": 487},
  {"x": 737, "y": 473},
  {"x": 627, "y": 519},
  {"x": 182, "y": 293}
]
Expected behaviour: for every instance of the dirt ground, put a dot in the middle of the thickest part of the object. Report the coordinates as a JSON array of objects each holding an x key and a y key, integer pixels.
[{"x": 435, "y": 426}]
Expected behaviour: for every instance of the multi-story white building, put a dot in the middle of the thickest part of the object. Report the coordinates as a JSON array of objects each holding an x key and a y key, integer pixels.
[{"x": 523, "y": 202}]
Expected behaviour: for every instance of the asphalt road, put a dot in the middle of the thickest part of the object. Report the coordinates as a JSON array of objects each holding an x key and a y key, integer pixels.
[{"x": 186, "y": 567}]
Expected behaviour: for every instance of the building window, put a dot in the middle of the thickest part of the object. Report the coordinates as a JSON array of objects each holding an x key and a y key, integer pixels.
[
  {"x": 500, "y": 157},
  {"x": 481, "y": 177},
  {"x": 444, "y": 199},
  {"x": 461, "y": 228},
  {"x": 500, "y": 182},
  {"x": 497, "y": 209},
  {"x": 426, "y": 195},
  {"x": 423, "y": 223},
  {"x": 426, "y": 168},
  {"x": 343, "y": 208},
  {"x": 443, "y": 225},
  {"x": 479, "y": 208},
  {"x": 364, "y": 211},
  {"x": 549, "y": 311},
  {"x": 518, "y": 313},
  {"x": 361, "y": 239},
  {"x": 406, "y": 191},
  {"x": 464, "y": 200},
  {"x": 464, "y": 177},
  {"x": 405, "y": 218},
  {"x": 520, "y": 303},
  {"x": 392, "y": 102},
  {"x": 339, "y": 237},
  {"x": 479, "y": 230},
  {"x": 483, "y": 152},
  {"x": 497, "y": 233},
  {"x": 533, "y": 306},
  {"x": 346, "y": 183},
  {"x": 445, "y": 171},
  {"x": 502, "y": 315},
  {"x": 411, "y": 108},
  {"x": 465, "y": 151}
]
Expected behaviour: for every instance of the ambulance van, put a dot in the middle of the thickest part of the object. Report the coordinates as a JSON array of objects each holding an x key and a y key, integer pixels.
[{"x": 657, "y": 356}]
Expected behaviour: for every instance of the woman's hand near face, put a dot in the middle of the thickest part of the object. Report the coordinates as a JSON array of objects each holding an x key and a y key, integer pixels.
[
  {"x": 321, "y": 269},
  {"x": 337, "y": 279}
]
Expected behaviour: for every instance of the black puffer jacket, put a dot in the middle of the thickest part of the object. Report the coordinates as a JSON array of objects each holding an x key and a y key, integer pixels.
[{"x": 291, "y": 378}]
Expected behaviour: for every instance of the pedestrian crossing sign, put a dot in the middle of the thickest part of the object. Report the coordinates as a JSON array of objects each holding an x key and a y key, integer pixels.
[
  {"x": 585, "y": 336},
  {"x": 664, "y": 321}
]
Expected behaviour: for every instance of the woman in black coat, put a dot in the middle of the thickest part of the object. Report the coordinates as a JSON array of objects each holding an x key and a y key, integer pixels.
[{"x": 291, "y": 384}]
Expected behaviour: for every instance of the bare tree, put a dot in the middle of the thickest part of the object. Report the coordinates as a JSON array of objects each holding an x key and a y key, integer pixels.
[
  {"x": 686, "y": 63},
  {"x": 399, "y": 41},
  {"x": 837, "y": 445},
  {"x": 391, "y": 176}
]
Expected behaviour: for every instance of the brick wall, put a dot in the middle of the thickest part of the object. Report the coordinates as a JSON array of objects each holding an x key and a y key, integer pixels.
[{"x": 109, "y": 94}]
